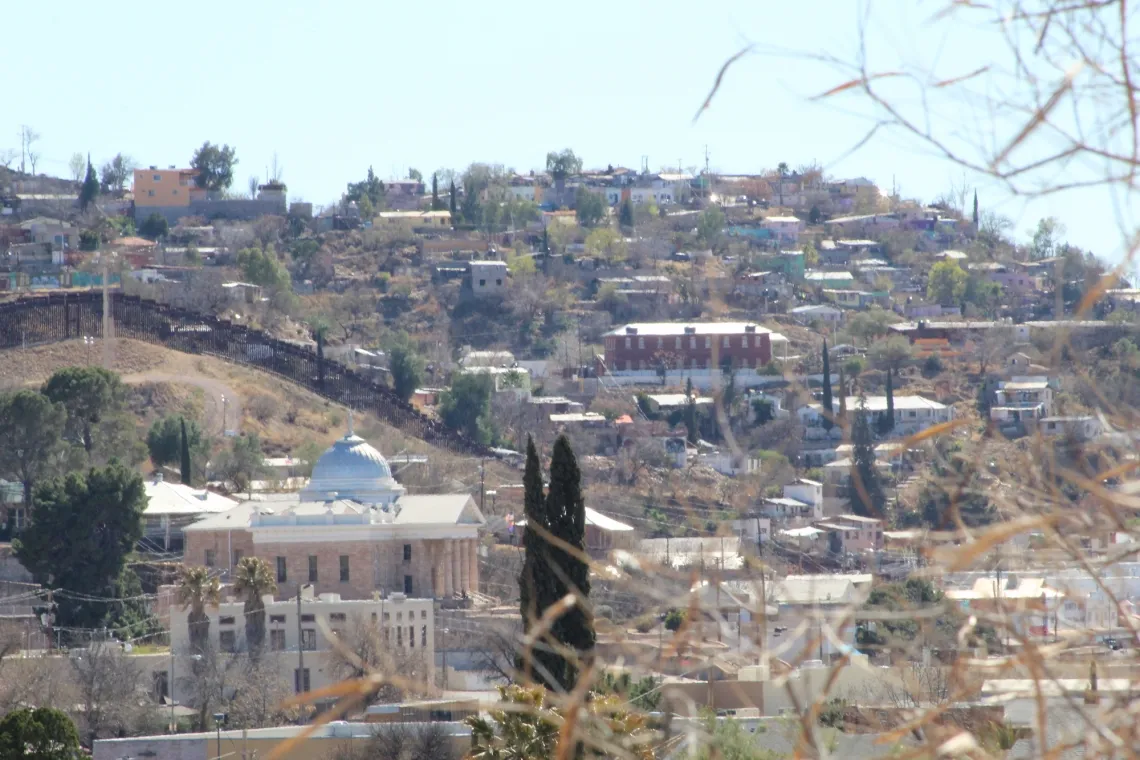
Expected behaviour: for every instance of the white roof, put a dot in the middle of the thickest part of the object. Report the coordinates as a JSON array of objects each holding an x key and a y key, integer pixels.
[
  {"x": 812, "y": 589},
  {"x": 815, "y": 308},
  {"x": 414, "y": 214},
  {"x": 656, "y": 329},
  {"x": 448, "y": 509},
  {"x": 165, "y": 498},
  {"x": 578, "y": 417},
  {"x": 781, "y": 219},
  {"x": 819, "y": 275},
  {"x": 807, "y": 532},
  {"x": 599, "y": 521},
  {"x": 858, "y": 518},
  {"x": 879, "y": 403},
  {"x": 676, "y": 399},
  {"x": 1024, "y": 385},
  {"x": 785, "y": 501}
]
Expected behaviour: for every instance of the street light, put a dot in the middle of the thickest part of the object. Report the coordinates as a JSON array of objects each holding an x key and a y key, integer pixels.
[
  {"x": 223, "y": 415},
  {"x": 218, "y": 718}
]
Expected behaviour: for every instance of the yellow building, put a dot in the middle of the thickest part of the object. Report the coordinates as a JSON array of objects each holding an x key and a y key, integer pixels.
[
  {"x": 438, "y": 219},
  {"x": 165, "y": 187}
]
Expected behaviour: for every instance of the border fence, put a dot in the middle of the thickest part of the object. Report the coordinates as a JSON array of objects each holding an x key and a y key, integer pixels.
[{"x": 55, "y": 317}]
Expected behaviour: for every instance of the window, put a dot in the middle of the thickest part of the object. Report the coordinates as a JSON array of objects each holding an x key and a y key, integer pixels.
[
  {"x": 344, "y": 568},
  {"x": 277, "y": 619},
  {"x": 660, "y": 343},
  {"x": 641, "y": 342},
  {"x": 227, "y": 641},
  {"x": 308, "y": 617},
  {"x": 407, "y": 552},
  {"x": 399, "y": 635},
  {"x": 408, "y": 585},
  {"x": 708, "y": 342},
  {"x": 21, "y": 518},
  {"x": 629, "y": 342},
  {"x": 678, "y": 344},
  {"x": 725, "y": 342},
  {"x": 387, "y": 616},
  {"x": 158, "y": 178},
  {"x": 337, "y": 617},
  {"x": 277, "y": 641},
  {"x": 692, "y": 342},
  {"x": 300, "y": 680},
  {"x": 498, "y": 282},
  {"x": 149, "y": 193},
  {"x": 226, "y": 620},
  {"x": 482, "y": 283},
  {"x": 313, "y": 575},
  {"x": 211, "y": 557},
  {"x": 423, "y": 636},
  {"x": 309, "y": 639},
  {"x": 282, "y": 576},
  {"x": 238, "y": 554},
  {"x": 399, "y": 616},
  {"x": 175, "y": 192}
]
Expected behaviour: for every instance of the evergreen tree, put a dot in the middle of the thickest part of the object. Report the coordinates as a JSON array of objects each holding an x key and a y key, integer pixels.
[
  {"x": 842, "y": 394},
  {"x": 625, "y": 214},
  {"x": 90, "y": 189},
  {"x": 451, "y": 203},
  {"x": 536, "y": 581},
  {"x": 690, "y": 412},
  {"x": 975, "y": 209},
  {"x": 545, "y": 241},
  {"x": 566, "y": 510},
  {"x": 436, "y": 205},
  {"x": 828, "y": 407},
  {"x": 866, "y": 489},
  {"x": 186, "y": 467},
  {"x": 887, "y": 418}
]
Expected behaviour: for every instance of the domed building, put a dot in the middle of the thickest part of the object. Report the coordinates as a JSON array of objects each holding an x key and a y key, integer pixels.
[
  {"x": 352, "y": 469},
  {"x": 352, "y": 531}
]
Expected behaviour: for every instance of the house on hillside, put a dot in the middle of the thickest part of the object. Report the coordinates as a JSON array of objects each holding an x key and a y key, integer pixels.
[
  {"x": 817, "y": 311},
  {"x": 173, "y": 506},
  {"x": 913, "y": 414},
  {"x": 1022, "y": 399},
  {"x": 488, "y": 278}
]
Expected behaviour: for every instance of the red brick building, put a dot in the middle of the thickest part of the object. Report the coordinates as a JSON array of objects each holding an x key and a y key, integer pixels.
[{"x": 682, "y": 346}]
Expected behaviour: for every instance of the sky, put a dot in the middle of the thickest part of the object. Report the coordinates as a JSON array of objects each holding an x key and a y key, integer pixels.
[{"x": 333, "y": 88}]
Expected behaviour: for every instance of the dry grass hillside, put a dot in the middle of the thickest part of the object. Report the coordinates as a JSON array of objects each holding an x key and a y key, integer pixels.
[{"x": 285, "y": 416}]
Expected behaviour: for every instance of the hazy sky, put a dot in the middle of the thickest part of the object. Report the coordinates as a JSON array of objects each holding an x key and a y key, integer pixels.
[{"x": 335, "y": 87}]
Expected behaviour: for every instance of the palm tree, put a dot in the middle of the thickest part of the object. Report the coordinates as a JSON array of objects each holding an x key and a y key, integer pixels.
[
  {"x": 253, "y": 580},
  {"x": 197, "y": 590}
]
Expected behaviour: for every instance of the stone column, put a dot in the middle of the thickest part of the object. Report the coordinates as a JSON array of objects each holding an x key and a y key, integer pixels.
[
  {"x": 473, "y": 572},
  {"x": 437, "y": 569},
  {"x": 465, "y": 564},
  {"x": 448, "y": 567},
  {"x": 456, "y": 564}
]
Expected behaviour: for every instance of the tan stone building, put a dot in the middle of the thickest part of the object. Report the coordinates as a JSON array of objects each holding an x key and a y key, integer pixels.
[{"x": 352, "y": 531}]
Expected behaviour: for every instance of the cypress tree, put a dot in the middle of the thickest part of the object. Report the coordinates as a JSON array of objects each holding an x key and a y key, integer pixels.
[
  {"x": 90, "y": 189},
  {"x": 828, "y": 407},
  {"x": 536, "y": 592},
  {"x": 566, "y": 510},
  {"x": 545, "y": 241},
  {"x": 186, "y": 472},
  {"x": 690, "y": 412},
  {"x": 625, "y": 214},
  {"x": 975, "y": 210},
  {"x": 842, "y": 393},
  {"x": 451, "y": 202},
  {"x": 866, "y": 490},
  {"x": 435, "y": 205}
]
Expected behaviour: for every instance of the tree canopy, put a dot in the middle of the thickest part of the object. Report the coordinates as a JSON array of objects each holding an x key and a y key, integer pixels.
[
  {"x": 41, "y": 733},
  {"x": 115, "y": 173},
  {"x": 154, "y": 226},
  {"x": 946, "y": 283},
  {"x": 215, "y": 166},
  {"x": 563, "y": 164},
  {"x": 590, "y": 207},
  {"x": 31, "y": 427},
  {"x": 89, "y": 191},
  {"x": 370, "y": 187},
  {"x": 466, "y": 406},
  {"x": 95, "y": 401},
  {"x": 85, "y": 526},
  {"x": 710, "y": 226},
  {"x": 407, "y": 368},
  {"x": 263, "y": 267}
]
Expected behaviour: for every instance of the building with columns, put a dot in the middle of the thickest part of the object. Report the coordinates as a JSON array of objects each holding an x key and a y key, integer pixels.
[{"x": 351, "y": 531}]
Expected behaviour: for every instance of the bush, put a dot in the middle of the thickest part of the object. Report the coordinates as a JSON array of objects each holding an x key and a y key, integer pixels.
[
  {"x": 675, "y": 618},
  {"x": 932, "y": 367},
  {"x": 263, "y": 408},
  {"x": 645, "y": 623}
]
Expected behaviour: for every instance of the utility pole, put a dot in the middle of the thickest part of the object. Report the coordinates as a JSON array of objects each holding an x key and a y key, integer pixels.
[
  {"x": 482, "y": 484},
  {"x": 300, "y": 647}
]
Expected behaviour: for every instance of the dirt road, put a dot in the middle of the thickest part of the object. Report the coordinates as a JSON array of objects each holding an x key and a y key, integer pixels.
[{"x": 215, "y": 392}]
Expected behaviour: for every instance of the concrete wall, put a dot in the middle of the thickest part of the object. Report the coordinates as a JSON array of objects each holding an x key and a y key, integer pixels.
[{"x": 227, "y": 209}]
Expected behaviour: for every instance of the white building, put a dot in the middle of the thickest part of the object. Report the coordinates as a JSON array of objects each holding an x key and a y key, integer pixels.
[
  {"x": 405, "y": 625},
  {"x": 170, "y": 507},
  {"x": 488, "y": 278},
  {"x": 785, "y": 228},
  {"x": 1022, "y": 399},
  {"x": 822, "y": 312},
  {"x": 913, "y": 414}
]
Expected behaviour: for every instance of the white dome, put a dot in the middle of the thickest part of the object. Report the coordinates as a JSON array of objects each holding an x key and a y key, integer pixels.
[{"x": 352, "y": 469}]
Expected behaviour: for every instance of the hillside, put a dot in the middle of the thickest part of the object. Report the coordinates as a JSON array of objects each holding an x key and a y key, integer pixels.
[{"x": 285, "y": 416}]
